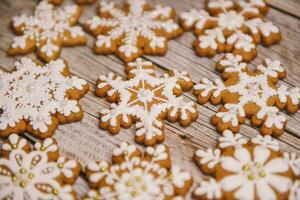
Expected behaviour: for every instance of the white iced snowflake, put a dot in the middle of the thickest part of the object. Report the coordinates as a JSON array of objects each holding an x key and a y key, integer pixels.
[
  {"x": 257, "y": 88},
  {"x": 131, "y": 33},
  {"x": 144, "y": 98},
  {"x": 47, "y": 30},
  {"x": 35, "y": 93}
]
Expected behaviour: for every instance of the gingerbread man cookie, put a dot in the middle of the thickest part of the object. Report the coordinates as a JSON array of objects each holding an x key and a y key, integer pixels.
[
  {"x": 133, "y": 175},
  {"x": 58, "y": 2},
  {"x": 47, "y": 31},
  {"x": 231, "y": 26},
  {"x": 38, "y": 173},
  {"x": 146, "y": 100},
  {"x": 249, "y": 94},
  {"x": 242, "y": 169},
  {"x": 136, "y": 30},
  {"x": 37, "y": 98}
]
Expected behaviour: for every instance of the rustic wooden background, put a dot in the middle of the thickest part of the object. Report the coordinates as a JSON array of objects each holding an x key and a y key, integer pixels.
[{"x": 84, "y": 141}]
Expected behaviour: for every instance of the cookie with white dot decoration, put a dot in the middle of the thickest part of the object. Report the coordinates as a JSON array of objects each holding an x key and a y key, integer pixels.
[
  {"x": 231, "y": 26},
  {"x": 37, "y": 98},
  {"x": 244, "y": 93},
  {"x": 133, "y": 31},
  {"x": 136, "y": 175},
  {"x": 47, "y": 31},
  {"x": 37, "y": 172},
  {"x": 146, "y": 100},
  {"x": 240, "y": 168}
]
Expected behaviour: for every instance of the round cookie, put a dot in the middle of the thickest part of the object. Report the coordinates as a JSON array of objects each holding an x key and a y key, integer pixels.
[
  {"x": 35, "y": 173},
  {"x": 47, "y": 31},
  {"x": 134, "y": 175},
  {"x": 136, "y": 30},
  {"x": 245, "y": 93},
  {"x": 37, "y": 98},
  {"x": 146, "y": 100},
  {"x": 230, "y": 26},
  {"x": 239, "y": 169}
]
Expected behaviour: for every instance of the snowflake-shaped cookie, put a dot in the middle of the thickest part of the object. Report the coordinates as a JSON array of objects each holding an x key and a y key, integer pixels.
[
  {"x": 146, "y": 100},
  {"x": 133, "y": 31},
  {"x": 230, "y": 26},
  {"x": 58, "y": 2},
  {"x": 253, "y": 169},
  {"x": 249, "y": 94},
  {"x": 135, "y": 176},
  {"x": 36, "y": 98},
  {"x": 47, "y": 31},
  {"x": 38, "y": 173}
]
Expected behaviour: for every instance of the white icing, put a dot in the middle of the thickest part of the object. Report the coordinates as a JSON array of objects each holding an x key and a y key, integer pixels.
[
  {"x": 124, "y": 147},
  {"x": 15, "y": 142},
  {"x": 209, "y": 188},
  {"x": 295, "y": 191},
  {"x": 251, "y": 89},
  {"x": 145, "y": 97},
  {"x": 35, "y": 93},
  {"x": 47, "y": 26},
  {"x": 130, "y": 26},
  {"x": 210, "y": 157},
  {"x": 231, "y": 140},
  {"x": 266, "y": 141},
  {"x": 293, "y": 161}
]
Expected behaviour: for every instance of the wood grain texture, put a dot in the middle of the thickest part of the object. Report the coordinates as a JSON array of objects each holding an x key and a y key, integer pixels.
[{"x": 84, "y": 141}]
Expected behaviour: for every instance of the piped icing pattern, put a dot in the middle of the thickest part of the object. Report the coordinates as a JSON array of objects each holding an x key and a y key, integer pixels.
[
  {"x": 35, "y": 173},
  {"x": 47, "y": 31},
  {"x": 134, "y": 175},
  {"x": 230, "y": 26},
  {"x": 146, "y": 100},
  {"x": 247, "y": 169},
  {"x": 249, "y": 94},
  {"x": 137, "y": 29},
  {"x": 36, "y": 98}
]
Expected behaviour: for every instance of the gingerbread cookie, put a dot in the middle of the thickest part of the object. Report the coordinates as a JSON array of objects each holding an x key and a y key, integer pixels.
[
  {"x": 38, "y": 173},
  {"x": 242, "y": 169},
  {"x": 146, "y": 100},
  {"x": 47, "y": 31},
  {"x": 58, "y": 2},
  {"x": 230, "y": 26},
  {"x": 134, "y": 175},
  {"x": 136, "y": 30},
  {"x": 37, "y": 98},
  {"x": 249, "y": 94}
]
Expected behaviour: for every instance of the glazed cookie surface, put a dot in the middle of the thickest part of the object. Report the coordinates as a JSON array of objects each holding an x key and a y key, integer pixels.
[
  {"x": 254, "y": 169},
  {"x": 47, "y": 31},
  {"x": 231, "y": 26},
  {"x": 146, "y": 100},
  {"x": 136, "y": 30},
  {"x": 245, "y": 93},
  {"x": 37, "y": 98},
  {"x": 134, "y": 175},
  {"x": 35, "y": 173}
]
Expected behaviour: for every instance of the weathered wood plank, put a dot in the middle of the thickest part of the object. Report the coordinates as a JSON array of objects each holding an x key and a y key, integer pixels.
[{"x": 291, "y": 7}]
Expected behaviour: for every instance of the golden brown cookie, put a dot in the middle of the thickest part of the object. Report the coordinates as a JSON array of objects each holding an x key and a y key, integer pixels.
[
  {"x": 136, "y": 30},
  {"x": 47, "y": 31},
  {"x": 37, "y": 98},
  {"x": 58, "y": 2},
  {"x": 245, "y": 93},
  {"x": 242, "y": 169},
  {"x": 231, "y": 26},
  {"x": 134, "y": 175},
  {"x": 146, "y": 100},
  {"x": 35, "y": 173}
]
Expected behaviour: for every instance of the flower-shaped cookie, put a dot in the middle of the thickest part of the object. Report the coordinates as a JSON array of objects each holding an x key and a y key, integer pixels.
[
  {"x": 58, "y": 2},
  {"x": 136, "y": 30},
  {"x": 38, "y": 173},
  {"x": 47, "y": 31},
  {"x": 133, "y": 175},
  {"x": 37, "y": 98},
  {"x": 249, "y": 94},
  {"x": 254, "y": 169},
  {"x": 230, "y": 26},
  {"x": 146, "y": 100}
]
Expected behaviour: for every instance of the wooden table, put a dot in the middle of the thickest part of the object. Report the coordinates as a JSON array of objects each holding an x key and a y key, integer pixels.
[{"x": 84, "y": 141}]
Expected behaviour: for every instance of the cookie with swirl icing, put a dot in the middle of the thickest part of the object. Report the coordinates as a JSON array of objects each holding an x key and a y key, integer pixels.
[
  {"x": 253, "y": 169},
  {"x": 37, "y": 172},
  {"x": 47, "y": 31},
  {"x": 136, "y": 175},
  {"x": 231, "y": 26}
]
